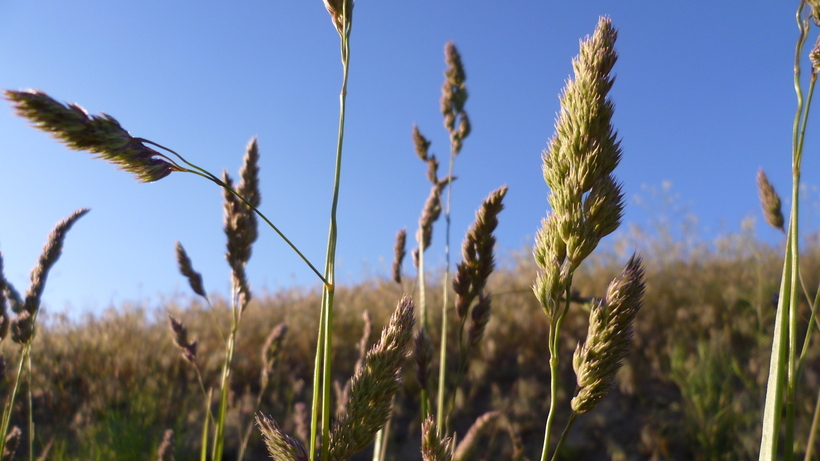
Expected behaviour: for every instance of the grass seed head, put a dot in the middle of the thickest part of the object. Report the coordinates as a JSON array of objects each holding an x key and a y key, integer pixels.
[
  {"x": 586, "y": 200},
  {"x": 51, "y": 252},
  {"x": 165, "y": 452},
  {"x": 12, "y": 443},
  {"x": 423, "y": 352},
  {"x": 101, "y": 135},
  {"x": 770, "y": 202},
  {"x": 399, "y": 252},
  {"x": 466, "y": 447},
  {"x": 480, "y": 316},
  {"x": 374, "y": 386},
  {"x": 186, "y": 268},
  {"x": 433, "y": 447},
  {"x": 421, "y": 143},
  {"x": 477, "y": 253},
  {"x": 431, "y": 213},
  {"x": 609, "y": 337},
  {"x": 281, "y": 446},
  {"x": 453, "y": 98},
  {"x": 180, "y": 336},
  {"x": 22, "y": 328}
]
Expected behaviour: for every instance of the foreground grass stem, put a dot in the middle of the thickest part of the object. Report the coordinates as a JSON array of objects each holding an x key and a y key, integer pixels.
[{"x": 341, "y": 13}]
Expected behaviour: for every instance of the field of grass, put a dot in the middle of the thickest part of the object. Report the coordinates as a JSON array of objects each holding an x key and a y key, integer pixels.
[
  {"x": 692, "y": 388},
  {"x": 684, "y": 350}
]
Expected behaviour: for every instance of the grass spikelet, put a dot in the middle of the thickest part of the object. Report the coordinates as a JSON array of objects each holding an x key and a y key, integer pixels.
[
  {"x": 421, "y": 144},
  {"x": 180, "y": 336},
  {"x": 433, "y": 447},
  {"x": 22, "y": 328},
  {"x": 301, "y": 421},
  {"x": 423, "y": 352},
  {"x": 466, "y": 447},
  {"x": 586, "y": 200},
  {"x": 4, "y": 316},
  {"x": 238, "y": 249},
  {"x": 101, "y": 135},
  {"x": 12, "y": 443},
  {"x": 165, "y": 452},
  {"x": 399, "y": 254},
  {"x": 374, "y": 386},
  {"x": 343, "y": 393},
  {"x": 770, "y": 202},
  {"x": 186, "y": 268},
  {"x": 479, "y": 317},
  {"x": 477, "y": 252},
  {"x": 241, "y": 224},
  {"x": 453, "y": 98},
  {"x": 609, "y": 337},
  {"x": 51, "y": 252},
  {"x": 13, "y": 298},
  {"x": 271, "y": 350},
  {"x": 281, "y": 446},
  {"x": 431, "y": 213}
]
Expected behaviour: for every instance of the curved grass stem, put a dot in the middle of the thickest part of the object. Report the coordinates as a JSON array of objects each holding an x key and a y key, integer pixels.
[{"x": 194, "y": 169}]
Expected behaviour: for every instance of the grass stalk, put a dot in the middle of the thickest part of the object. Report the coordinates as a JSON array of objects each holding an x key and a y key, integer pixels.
[
  {"x": 341, "y": 12},
  {"x": 211, "y": 177},
  {"x": 784, "y": 367}
]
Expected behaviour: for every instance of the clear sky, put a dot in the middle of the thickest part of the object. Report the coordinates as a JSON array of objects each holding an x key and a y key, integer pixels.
[{"x": 704, "y": 97}]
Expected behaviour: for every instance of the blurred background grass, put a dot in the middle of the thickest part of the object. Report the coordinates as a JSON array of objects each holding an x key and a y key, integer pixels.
[{"x": 108, "y": 386}]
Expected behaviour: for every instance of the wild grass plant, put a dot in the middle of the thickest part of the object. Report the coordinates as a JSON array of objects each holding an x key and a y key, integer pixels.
[
  {"x": 586, "y": 205},
  {"x": 788, "y": 355}
]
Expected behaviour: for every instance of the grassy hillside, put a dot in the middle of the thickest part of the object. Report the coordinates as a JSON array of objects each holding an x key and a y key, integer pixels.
[{"x": 108, "y": 387}]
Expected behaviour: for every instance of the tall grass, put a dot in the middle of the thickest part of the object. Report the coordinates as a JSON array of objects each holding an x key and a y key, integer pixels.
[{"x": 586, "y": 205}]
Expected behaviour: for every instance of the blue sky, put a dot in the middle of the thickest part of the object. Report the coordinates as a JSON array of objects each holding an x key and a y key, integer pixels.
[{"x": 703, "y": 97}]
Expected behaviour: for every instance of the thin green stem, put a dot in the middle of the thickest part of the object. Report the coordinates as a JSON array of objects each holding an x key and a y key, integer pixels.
[
  {"x": 317, "y": 382},
  {"x": 782, "y": 369},
  {"x": 553, "y": 392},
  {"x": 564, "y": 435},
  {"x": 554, "y": 348},
  {"x": 219, "y": 436},
  {"x": 442, "y": 370},
  {"x": 211, "y": 177},
  {"x": 422, "y": 288},
  {"x": 30, "y": 410},
  {"x": 815, "y": 423},
  {"x": 4, "y": 429},
  {"x": 330, "y": 264}
]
